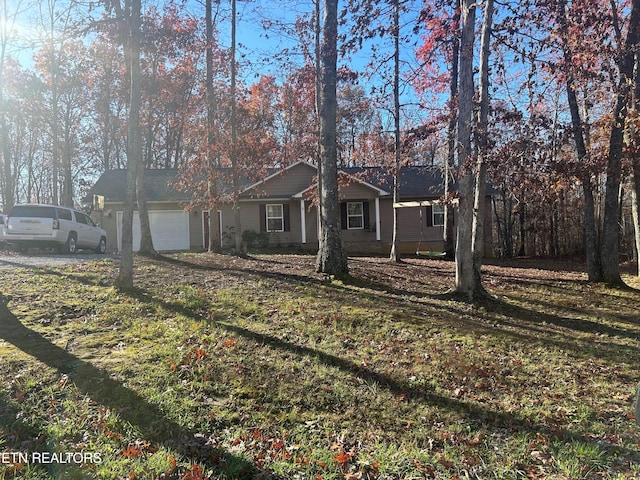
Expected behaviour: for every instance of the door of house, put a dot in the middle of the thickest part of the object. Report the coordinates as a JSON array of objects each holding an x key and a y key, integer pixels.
[{"x": 205, "y": 227}]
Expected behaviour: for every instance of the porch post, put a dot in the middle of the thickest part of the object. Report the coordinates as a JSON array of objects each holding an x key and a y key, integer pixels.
[
  {"x": 303, "y": 222},
  {"x": 378, "y": 236}
]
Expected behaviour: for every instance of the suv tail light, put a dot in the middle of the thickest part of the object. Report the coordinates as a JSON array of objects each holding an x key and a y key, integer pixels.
[{"x": 56, "y": 224}]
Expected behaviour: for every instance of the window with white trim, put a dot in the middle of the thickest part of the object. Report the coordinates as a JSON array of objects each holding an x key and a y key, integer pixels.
[
  {"x": 355, "y": 215},
  {"x": 275, "y": 218},
  {"x": 438, "y": 215}
]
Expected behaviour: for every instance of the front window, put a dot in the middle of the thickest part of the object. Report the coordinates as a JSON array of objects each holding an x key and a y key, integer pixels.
[
  {"x": 438, "y": 215},
  {"x": 355, "y": 216},
  {"x": 275, "y": 218}
]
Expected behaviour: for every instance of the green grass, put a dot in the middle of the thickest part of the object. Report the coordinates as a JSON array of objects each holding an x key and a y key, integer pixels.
[{"x": 218, "y": 367}]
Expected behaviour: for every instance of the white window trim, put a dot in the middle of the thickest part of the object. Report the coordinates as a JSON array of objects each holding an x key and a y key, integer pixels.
[
  {"x": 434, "y": 213},
  {"x": 281, "y": 217},
  {"x": 361, "y": 216}
]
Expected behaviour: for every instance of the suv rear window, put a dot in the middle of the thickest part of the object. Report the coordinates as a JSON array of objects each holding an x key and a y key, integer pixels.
[
  {"x": 64, "y": 214},
  {"x": 33, "y": 211}
]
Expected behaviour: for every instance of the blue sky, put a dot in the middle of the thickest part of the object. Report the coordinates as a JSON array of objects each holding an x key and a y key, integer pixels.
[
  {"x": 257, "y": 46},
  {"x": 260, "y": 45}
]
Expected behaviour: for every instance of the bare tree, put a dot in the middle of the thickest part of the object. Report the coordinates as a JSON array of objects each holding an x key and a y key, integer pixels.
[
  {"x": 394, "y": 255},
  {"x": 57, "y": 22},
  {"x": 594, "y": 270},
  {"x": 331, "y": 259},
  {"x": 129, "y": 20},
  {"x": 449, "y": 166},
  {"x": 465, "y": 281},
  {"x": 610, "y": 246},
  {"x": 234, "y": 133},
  {"x": 6, "y": 36},
  {"x": 212, "y": 157},
  {"x": 483, "y": 140}
]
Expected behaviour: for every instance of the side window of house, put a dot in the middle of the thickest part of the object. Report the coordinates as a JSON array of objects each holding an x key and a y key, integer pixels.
[
  {"x": 355, "y": 216},
  {"x": 438, "y": 215},
  {"x": 275, "y": 218}
]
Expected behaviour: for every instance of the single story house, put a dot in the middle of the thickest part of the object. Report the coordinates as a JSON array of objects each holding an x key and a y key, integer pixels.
[{"x": 281, "y": 206}]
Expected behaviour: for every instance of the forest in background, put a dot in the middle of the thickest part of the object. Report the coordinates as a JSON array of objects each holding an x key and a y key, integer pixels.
[{"x": 63, "y": 113}]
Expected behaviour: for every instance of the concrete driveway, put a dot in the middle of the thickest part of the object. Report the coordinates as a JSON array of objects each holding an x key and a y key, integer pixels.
[{"x": 43, "y": 259}]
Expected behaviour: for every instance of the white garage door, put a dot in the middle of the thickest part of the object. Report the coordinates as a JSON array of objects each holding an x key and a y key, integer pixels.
[{"x": 169, "y": 230}]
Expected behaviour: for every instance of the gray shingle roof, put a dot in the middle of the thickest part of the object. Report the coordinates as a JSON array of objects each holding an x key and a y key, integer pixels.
[
  {"x": 415, "y": 182},
  {"x": 113, "y": 185}
]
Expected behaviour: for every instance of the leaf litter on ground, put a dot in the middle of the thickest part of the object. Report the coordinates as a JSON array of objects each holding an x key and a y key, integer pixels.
[{"x": 259, "y": 367}]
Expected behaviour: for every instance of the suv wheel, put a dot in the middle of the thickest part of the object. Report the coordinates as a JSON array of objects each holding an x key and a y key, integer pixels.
[
  {"x": 70, "y": 246},
  {"x": 102, "y": 246}
]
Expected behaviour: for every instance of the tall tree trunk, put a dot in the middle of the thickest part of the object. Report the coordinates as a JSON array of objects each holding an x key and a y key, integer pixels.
[
  {"x": 67, "y": 176},
  {"x": 54, "y": 69},
  {"x": 594, "y": 269},
  {"x": 318, "y": 106},
  {"x": 146, "y": 241},
  {"x": 234, "y": 154},
  {"x": 483, "y": 141},
  {"x": 8, "y": 187},
  {"x": 633, "y": 140},
  {"x": 449, "y": 227},
  {"x": 133, "y": 41},
  {"x": 395, "y": 247},
  {"x": 55, "y": 152},
  {"x": 212, "y": 164},
  {"x": 510, "y": 221},
  {"x": 146, "y": 158},
  {"x": 465, "y": 281},
  {"x": 522, "y": 250},
  {"x": 637, "y": 409},
  {"x": 610, "y": 245},
  {"x": 332, "y": 259}
]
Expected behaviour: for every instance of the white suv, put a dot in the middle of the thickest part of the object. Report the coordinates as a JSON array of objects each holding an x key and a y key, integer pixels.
[{"x": 35, "y": 225}]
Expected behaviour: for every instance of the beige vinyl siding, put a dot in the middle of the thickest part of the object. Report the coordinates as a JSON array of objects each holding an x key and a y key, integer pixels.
[
  {"x": 356, "y": 191},
  {"x": 386, "y": 219},
  {"x": 250, "y": 220},
  {"x": 287, "y": 183},
  {"x": 109, "y": 224},
  {"x": 312, "y": 225},
  {"x": 411, "y": 227},
  {"x": 196, "y": 232}
]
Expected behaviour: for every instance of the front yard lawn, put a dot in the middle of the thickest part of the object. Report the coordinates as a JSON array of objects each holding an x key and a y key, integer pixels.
[{"x": 220, "y": 367}]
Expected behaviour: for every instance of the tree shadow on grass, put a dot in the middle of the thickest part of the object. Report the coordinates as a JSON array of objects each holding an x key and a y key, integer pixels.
[
  {"x": 154, "y": 424},
  {"x": 475, "y": 413},
  {"x": 298, "y": 279},
  {"x": 132, "y": 408},
  {"x": 496, "y": 317},
  {"x": 540, "y": 318}
]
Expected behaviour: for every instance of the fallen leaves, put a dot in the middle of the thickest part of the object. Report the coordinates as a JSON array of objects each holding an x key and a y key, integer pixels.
[{"x": 415, "y": 384}]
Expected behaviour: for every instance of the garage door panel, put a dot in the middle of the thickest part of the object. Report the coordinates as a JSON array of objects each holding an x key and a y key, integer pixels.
[{"x": 169, "y": 230}]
